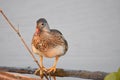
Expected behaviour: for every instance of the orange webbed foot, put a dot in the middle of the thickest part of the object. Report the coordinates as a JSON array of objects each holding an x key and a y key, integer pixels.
[{"x": 51, "y": 70}]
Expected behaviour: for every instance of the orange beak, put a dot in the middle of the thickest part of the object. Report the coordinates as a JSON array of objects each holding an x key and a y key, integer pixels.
[{"x": 37, "y": 30}]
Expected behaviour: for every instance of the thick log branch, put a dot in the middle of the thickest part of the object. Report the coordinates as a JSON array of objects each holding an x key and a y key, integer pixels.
[
  {"x": 13, "y": 76},
  {"x": 97, "y": 75}
]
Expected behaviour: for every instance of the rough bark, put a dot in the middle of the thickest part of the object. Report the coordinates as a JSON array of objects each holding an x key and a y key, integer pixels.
[
  {"x": 97, "y": 75},
  {"x": 13, "y": 76}
]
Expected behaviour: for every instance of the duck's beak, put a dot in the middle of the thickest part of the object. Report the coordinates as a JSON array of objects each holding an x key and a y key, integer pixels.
[{"x": 37, "y": 30}]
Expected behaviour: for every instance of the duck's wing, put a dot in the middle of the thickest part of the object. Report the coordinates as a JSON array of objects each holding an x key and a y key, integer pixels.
[
  {"x": 57, "y": 34},
  {"x": 56, "y": 31}
]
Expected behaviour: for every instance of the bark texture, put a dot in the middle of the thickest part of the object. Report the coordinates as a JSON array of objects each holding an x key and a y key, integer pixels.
[{"x": 97, "y": 75}]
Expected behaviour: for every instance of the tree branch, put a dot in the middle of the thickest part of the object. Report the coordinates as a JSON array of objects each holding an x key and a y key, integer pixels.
[
  {"x": 23, "y": 41},
  {"x": 13, "y": 76},
  {"x": 97, "y": 75}
]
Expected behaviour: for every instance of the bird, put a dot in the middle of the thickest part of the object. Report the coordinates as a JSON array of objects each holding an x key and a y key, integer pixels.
[{"x": 49, "y": 43}]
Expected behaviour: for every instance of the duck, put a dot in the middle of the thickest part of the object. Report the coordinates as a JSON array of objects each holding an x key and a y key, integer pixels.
[{"x": 49, "y": 43}]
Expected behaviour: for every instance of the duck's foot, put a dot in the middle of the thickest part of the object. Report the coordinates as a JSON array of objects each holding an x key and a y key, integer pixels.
[
  {"x": 40, "y": 71},
  {"x": 51, "y": 70}
]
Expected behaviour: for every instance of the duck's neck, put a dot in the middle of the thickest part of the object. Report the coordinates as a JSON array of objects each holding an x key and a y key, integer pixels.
[
  {"x": 46, "y": 28},
  {"x": 43, "y": 32}
]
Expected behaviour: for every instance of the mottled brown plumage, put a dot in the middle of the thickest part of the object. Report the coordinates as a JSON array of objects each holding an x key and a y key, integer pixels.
[
  {"x": 44, "y": 42},
  {"x": 48, "y": 42}
]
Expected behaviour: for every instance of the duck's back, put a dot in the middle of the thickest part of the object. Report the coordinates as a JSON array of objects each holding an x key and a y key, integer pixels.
[{"x": 60, "y": 37}]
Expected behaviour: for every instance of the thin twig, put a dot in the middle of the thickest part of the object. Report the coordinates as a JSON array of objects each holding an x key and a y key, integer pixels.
[{"x": 21, "y": 38}]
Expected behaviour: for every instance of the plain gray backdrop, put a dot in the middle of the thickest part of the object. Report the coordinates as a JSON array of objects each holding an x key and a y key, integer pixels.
[{"x": 91, "y": 27}]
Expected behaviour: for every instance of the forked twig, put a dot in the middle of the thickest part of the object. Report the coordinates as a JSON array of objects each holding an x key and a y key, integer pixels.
[{"x": 25, "y": 45}]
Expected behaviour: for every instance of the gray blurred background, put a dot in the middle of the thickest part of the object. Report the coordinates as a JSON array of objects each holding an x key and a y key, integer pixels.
[{"x": 91, "y": 27}]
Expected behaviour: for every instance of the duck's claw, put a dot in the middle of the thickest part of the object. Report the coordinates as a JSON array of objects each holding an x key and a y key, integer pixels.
[
  {"x": 36, "y": 71},
  {"x": 40, "y": 71},
  {"x": 51, "y": 70}
]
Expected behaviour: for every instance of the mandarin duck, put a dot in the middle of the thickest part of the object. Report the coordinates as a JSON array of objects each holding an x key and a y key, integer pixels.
[{"x": 48, "y": 43}]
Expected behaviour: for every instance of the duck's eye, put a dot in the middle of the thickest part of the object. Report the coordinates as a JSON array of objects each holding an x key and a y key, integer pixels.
[{"x": 42, "y": 24}]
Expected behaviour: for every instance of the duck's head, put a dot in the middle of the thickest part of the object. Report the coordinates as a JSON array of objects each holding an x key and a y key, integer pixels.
[{"x": 42, "y": 25}]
